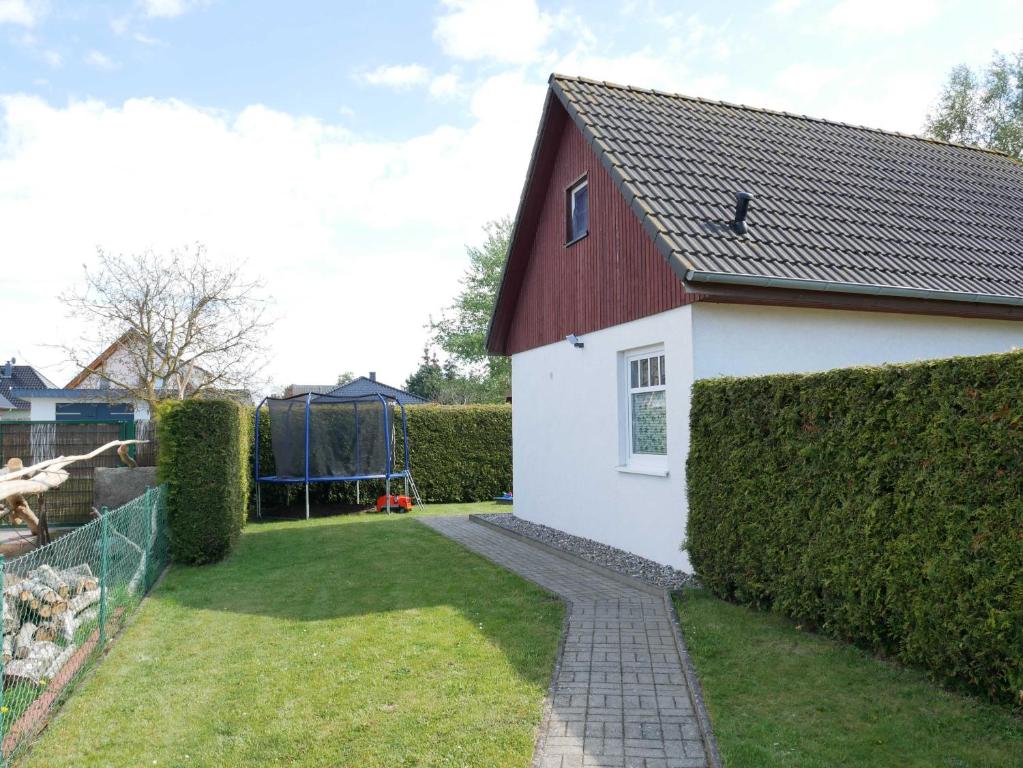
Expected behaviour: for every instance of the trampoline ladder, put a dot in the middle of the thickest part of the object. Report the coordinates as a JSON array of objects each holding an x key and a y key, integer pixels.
[{"x": 415, "y": 490}]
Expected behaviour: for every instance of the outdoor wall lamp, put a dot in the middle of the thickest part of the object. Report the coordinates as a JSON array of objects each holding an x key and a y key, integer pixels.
[{"x": 574, "y": 340}]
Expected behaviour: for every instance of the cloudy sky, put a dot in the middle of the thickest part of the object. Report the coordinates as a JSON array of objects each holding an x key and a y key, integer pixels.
[{"x": 347, "y": 152}]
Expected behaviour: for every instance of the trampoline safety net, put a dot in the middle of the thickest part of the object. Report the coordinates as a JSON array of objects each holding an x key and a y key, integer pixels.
[{"x": 347, "y": 439}]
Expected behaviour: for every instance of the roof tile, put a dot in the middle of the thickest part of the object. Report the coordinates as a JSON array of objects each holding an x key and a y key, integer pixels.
[{"x": 833, "y": 202}]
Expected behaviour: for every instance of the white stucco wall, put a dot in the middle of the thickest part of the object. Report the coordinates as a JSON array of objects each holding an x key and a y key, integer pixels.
[
  {"x": 566, "y": 439},
  {"x": 43, "y": 409},
  {"x": 740, "y": 340},
  {"x": 120, "y": 367},
  {"x": 566, "y": 403}
]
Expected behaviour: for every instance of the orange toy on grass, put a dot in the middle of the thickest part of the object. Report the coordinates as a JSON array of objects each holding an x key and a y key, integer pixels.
[{"x": 403, "y": 503}]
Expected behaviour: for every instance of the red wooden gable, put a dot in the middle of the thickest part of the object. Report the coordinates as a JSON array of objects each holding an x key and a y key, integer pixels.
[{"x": 613, "y": 275}]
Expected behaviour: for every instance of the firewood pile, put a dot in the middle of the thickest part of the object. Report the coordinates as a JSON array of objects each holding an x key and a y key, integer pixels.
[{"x": 41, "y": 616}]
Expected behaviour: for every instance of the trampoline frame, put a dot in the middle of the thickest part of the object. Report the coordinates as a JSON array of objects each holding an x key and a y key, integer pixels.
[{"x": 389, "y": 473}]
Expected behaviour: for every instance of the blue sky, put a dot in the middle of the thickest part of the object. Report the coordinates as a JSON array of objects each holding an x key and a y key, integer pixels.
[{"x": 332, "y": 146}]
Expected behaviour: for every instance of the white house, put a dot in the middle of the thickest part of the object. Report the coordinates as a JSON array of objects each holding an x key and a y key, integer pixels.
[
  {"x": 661, "y": 239},
  {"x": 18, "y": 377},
  {"x": 90, "y": 395}
]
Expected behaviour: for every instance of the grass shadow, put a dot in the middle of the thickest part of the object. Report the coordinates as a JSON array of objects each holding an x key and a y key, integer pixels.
[{"x": 327, "y": 569}]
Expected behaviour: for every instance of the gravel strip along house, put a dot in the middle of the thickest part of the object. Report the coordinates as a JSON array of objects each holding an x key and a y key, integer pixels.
[{"x": 662, "y": 239}]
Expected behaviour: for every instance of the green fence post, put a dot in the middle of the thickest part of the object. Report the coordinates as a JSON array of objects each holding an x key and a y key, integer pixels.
[
  {"x": 147, "y": 546},
  {"x": 104, "y": 574}
]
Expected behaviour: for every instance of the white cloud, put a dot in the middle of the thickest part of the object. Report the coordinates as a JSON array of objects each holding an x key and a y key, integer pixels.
[
  {"x": 510, "y": 31},
  {"x": 669, "y": 66},
  {"x": 397, "y": 75},
  {"x": 21, "y": 12},
  {"x": 445, "y": 86},
  {"x": 881, "y": 16},
  {"x": 322, "y": 213},
  {"x": 167, "y": 9},
  {"x": 53, "y": 59},
  {"x": 806, "y": 80},
  {"x": 784, "y": 7},
  {"x": 99, "y": 60}
]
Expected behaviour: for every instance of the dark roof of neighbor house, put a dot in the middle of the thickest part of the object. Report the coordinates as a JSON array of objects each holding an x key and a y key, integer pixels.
[
  {"x": 836, "y": 207},
  {"x": 77, "y": 393},
  {"x": 19, "y": 377},
  {"x": 304, "y": 389},
  {"x": 366, "y": 386}
]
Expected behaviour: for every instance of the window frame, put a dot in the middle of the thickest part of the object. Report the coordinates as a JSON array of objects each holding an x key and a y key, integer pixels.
[
  {"x": 579, "y": 183},
  {"x": 642, "y": 463}
]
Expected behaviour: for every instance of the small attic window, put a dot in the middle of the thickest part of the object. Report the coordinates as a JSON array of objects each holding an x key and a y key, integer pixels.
[{"x": 577, "y": 211}]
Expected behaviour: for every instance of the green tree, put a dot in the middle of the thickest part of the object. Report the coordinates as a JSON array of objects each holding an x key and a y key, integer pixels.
[
  {"x": 461, "y": 332},
  {"x": 446, "y": 384},
  {"x": 345, "y": 378},
  {"x": 428, "y": 379},
  {"x": 983, "y": 108}
]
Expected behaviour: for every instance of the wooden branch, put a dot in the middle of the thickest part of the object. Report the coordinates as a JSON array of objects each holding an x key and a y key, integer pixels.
[{"x": 58, "y": 464}]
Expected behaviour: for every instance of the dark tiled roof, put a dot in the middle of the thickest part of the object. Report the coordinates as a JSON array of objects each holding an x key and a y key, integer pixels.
[
  {"x": 76, "y": 393},
  {"x": 22, "y": 377},
  {"x": 364, "y": 386},
  {"x": 836, "y": 206}
]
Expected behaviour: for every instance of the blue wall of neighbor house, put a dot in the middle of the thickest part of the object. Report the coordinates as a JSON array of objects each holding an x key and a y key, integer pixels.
[{"x": 95, "y": 412}]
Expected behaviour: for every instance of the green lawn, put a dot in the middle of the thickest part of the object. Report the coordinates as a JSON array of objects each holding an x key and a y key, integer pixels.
[
  {"x": 779, "y": 696},
  {"x": 353, "y": 641}
]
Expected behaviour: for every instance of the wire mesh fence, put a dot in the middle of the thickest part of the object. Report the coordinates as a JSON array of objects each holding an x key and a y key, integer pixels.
[
  {"x": 35, "y": 441},
  {"x": 61, "y": 602}
]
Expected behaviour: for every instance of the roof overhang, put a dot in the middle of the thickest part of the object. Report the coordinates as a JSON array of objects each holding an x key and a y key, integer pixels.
[
  {"x": 72, "y": 394},
  {"x": 751, "y": 289}
]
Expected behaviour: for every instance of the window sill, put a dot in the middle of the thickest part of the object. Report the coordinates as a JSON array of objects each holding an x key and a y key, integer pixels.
[
  {"x": 634, "y": 469},
  {"x": 583, "y": 236}
]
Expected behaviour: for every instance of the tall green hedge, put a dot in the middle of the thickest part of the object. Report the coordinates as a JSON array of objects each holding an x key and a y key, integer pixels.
[
  {"x": 204, "y": 459},
  {"x": 883, "y": 506},
  {"x": 458, "y": 453}
]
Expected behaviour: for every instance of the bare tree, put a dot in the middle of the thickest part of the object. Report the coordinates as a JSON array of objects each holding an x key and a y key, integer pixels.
[{"x": 182, "y": 325}]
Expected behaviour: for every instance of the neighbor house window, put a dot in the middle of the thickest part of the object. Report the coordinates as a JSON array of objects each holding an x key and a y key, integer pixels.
[
  {"x": 578, "y": 210},
  {"x": 645, "y": 408}
]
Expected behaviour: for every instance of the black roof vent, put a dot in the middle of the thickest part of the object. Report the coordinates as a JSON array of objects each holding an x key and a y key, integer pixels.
[
  {"x": 742, "y": 201},
  {"x": 8, "y": 370}
]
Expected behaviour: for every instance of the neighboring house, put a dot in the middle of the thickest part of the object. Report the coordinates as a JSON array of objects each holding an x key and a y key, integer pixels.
[
  {"x": 20, "y": 377},
  {"x": 370, "y": 386},
  {"x": 859, "y": 247},
  {"x": 304, "y": 389},
  {"x": 90, "y": 396}
]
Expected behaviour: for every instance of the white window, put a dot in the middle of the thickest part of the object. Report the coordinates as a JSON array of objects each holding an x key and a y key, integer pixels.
[
  {"x": 578, "y": 211},
  {"x": 644, "y": 410}
]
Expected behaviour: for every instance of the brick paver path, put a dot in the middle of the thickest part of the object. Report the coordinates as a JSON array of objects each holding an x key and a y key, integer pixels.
[{"x": 620, "y": 696}]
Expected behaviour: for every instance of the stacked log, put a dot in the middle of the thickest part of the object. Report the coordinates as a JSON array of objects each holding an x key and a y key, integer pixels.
[
  {"x": 41, "y": 614},
  {"x": 34, "y": 666}
]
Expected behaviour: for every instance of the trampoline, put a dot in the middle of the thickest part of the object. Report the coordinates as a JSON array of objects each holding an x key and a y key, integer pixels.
[{"x": 331, "y": 439}]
